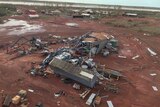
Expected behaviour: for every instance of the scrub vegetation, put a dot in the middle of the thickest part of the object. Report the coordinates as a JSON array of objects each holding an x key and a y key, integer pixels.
[
  {"x": 6, "y": 9},
  {"x": 154, "y": 30},
  {"x": 126, "y": 23}
]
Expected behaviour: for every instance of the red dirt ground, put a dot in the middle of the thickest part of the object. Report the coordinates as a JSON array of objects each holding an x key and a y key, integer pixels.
[{"x": 137, "y": 92}]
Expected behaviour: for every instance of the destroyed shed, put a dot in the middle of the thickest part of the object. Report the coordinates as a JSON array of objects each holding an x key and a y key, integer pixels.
[
  {"x": 96, "y": 40},
  {"x": 81, "y": 75}
]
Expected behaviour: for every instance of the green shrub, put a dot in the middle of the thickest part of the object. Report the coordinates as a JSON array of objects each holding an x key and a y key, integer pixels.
[
  {"x": 150, "y": 29},
  {"x": 6, "y": 9},
  {"x": 126, "y": 23}
]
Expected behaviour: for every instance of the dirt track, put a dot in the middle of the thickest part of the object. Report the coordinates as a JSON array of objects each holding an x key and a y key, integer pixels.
[{"x": 137, "y": 93}]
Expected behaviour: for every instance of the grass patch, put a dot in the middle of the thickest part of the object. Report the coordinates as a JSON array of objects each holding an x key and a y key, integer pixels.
[
  {"x": 155, "y": 30},
  {"x": 126, "y": 23},
  {"x": 156, "y": 15}
]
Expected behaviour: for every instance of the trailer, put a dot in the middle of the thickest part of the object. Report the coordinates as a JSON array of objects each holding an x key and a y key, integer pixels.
[{"x": 71, "y": 71}]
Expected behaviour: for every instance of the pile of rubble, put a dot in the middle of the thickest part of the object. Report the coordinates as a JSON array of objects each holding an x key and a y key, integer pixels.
[{"x": 75, "y": 64}]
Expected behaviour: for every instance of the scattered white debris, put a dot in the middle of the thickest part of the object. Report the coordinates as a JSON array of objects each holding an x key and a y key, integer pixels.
[
  {"x": 90, "y": 99},
  {"x": 33, "y": 16},
  {"x": 30, "y": 90},
  {"x": 146, "y": 34},
  {"x": 136, "y": 39},
  {"x": 57, "y": 37},
  {"x": 112, "y": 36},
  {"x": 120, "y": 56},
  {"x": 153, "y": 74},
  {"x": 72, "y": 24},
  {"x": 110, "y": 104},
  {"x": 135, "y": 57},
  {"x": 76, "y": 86},
  {"x": 151, "y": 52},
  {"x": 155, "y": 88}
]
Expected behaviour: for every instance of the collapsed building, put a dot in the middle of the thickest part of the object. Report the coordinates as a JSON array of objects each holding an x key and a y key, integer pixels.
[
  {"x": 96, "y": 42},
  {"x": 75, "y": 62}
]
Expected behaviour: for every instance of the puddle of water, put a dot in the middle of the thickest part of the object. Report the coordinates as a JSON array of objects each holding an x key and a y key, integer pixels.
[{"x": 18, "y": 27}]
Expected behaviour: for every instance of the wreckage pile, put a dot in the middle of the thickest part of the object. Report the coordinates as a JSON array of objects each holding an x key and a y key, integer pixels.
[
  {"x": 75, "y": 63},
  {"x": 81, "y": 51}
]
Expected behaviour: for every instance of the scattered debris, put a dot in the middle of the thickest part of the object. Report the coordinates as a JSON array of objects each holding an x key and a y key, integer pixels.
[
  {"x": 146, "y": 34},
  {"x": 72, "y": 24},
  {"x": 33, "y": 16},
  {"x": 110, "y": 104},
  {"x": 120, "y": 56},
  {"x": 153, "y": 74},
  {"x": 20, "y": 97},
  {"x": 24, "y": 105},
  {"x": 113, "y": 73},
  {"x": 39, "y": 104},
  {"x": 30, "y": 90},
  {"x": 85, "y": 93},
  {"x": 151, "y": 52},
  {"x": 106, "y": 96},
  {"x": 7, "y": 101},
  {"x": 111, "y": 87},
  {"x": 16, "y": 99},
  {"x": 76, "y": 86},
  {"x": 58, "y": 103},
  {"x": 98, "y": 100},
  {"x": 90, "y": 99},
  {"x": 58, "y": 94},
  {"x": 155, "y": 88},
  {"x": 135, "y": 57}
]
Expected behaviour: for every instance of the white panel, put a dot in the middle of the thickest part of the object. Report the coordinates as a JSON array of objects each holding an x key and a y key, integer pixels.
[{"x": 88, "y": 75}]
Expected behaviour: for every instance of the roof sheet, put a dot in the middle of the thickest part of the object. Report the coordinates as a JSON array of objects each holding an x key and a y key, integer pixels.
[
  {"x": 97, "y": 36},
  {"x": 72, "y": 69},
  {"x": 100, "y": 36}
]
